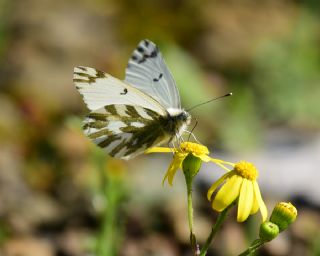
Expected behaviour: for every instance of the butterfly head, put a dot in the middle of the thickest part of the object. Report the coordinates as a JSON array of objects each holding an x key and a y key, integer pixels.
[
  {"x": 178, "y": 121},
  {"x": 180, "y": 115},
  {"x": 185, "y": 117}
]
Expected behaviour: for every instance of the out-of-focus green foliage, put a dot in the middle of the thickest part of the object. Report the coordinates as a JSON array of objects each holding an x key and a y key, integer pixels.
[
  {"x": 3, "y": 26},
  {"x": 241, "y": 128},
  {"x": 286, "y": 76},
  {"x": 315, "y": 250}
]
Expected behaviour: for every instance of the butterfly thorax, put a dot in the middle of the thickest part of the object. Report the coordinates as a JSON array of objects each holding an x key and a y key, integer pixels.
[{"x": 177, "y": 121}]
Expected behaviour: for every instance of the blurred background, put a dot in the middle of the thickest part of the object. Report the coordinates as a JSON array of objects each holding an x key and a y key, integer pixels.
[{"x": 60, "y": 195}]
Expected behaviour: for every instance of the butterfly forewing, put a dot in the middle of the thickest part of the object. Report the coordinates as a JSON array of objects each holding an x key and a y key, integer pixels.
[
  {"x": 125, "y": 131},
  {"x": 148, "y": 72},
  {"x": 100, "y": 89}
]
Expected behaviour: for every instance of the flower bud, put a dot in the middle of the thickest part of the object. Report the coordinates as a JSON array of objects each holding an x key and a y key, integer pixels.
[
  {"x": 283, "y": 215},
  {"x": 268, "y": 231},
  {"x": 191, "y": 164}
]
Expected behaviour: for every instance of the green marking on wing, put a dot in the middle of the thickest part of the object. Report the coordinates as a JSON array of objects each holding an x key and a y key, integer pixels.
[
  {"x": 98, "y": 116},
  {"x": 88, "y": 77},
  {"x": 151, "y": 113},
  {"x": 82, "y": 74},
  {"x": 146, "y": 137},
  {"x": 100, "y": 74},
  {"x": 100, "y": 133},
  {"x": 130, "y": 129},
  {"x": 95, "y": 124},
  {"x": 117, "y": 149},
  {"x": 111, "y": 109},
  {"x": 142, "y": 140},
  {"x": 78, "y": 80},
  {"x": 132, "y": 112},
  {"x": 109, "y": 140}
]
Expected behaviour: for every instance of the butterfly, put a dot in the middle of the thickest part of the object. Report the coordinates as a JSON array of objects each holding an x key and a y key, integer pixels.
[{"x": 127, "y": 117}]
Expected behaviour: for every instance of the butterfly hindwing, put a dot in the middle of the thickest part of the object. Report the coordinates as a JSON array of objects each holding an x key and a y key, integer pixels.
[
  {"x": 125, "y": 131},
  {"x": 148, "y": 72}
]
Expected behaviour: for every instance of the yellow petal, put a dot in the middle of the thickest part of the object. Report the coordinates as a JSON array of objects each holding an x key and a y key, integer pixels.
[
  {"x": 215, "y": 160},
  {"x": 255, "y": 205},
  {"x": 217, "y": 183},
  {"x": 160, "y": 150},
  {"x": 228, "y": 193},
  {"x": 245, "y": 200},
  {"x": 219, "y": 162},
  {"x": 174, "y": 166},
  {"x": 262, "y": 206},
  {"x": 204, "y": 158}
]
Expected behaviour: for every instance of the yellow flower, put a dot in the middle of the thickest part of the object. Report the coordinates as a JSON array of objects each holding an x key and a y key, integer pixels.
[
  {"x": 185, "y": 148},
  {"x": 239, "y": 183}
]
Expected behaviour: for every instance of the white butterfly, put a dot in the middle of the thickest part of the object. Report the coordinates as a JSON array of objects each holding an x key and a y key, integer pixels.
[{"x": 129, "y": 116}]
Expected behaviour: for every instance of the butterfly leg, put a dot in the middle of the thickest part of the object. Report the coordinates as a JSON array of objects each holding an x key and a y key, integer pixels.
[
  {"x": 173, "y": 146},
  {"x": 178, "y": 138},
  {"x": 192, "y": 135}
]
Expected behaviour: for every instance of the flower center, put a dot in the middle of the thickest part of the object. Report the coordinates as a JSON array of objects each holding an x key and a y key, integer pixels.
[
  {"x": 246, "y": 170},
  {"x": 190, "y": 147}
]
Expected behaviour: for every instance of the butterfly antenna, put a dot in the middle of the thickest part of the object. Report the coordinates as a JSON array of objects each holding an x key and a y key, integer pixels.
[
  {"x": 226, "y": 95},
  {"x": 195, "y": 125}
]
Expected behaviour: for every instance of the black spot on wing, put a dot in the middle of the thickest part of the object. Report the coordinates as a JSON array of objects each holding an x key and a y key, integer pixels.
[
  {"x": 125, "y": 91},
  {"x": 157, "y": 79},
  {"x": 147, "y": 50},
  {"x": 153, "y": 54},
  {"x": 142, "y": 60},
  {"x": 146, "y": 43},
  {"x": 140, "y": 49}
]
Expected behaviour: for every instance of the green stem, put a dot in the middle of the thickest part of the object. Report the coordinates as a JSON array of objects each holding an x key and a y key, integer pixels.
[
  {"x": 191, "y": 166},
  {"x": 190, "y": 207},
  {"x": 253, "y": 247},
  {"x": 193, "y": 240},
  {"x": 221, "y": 218}
]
